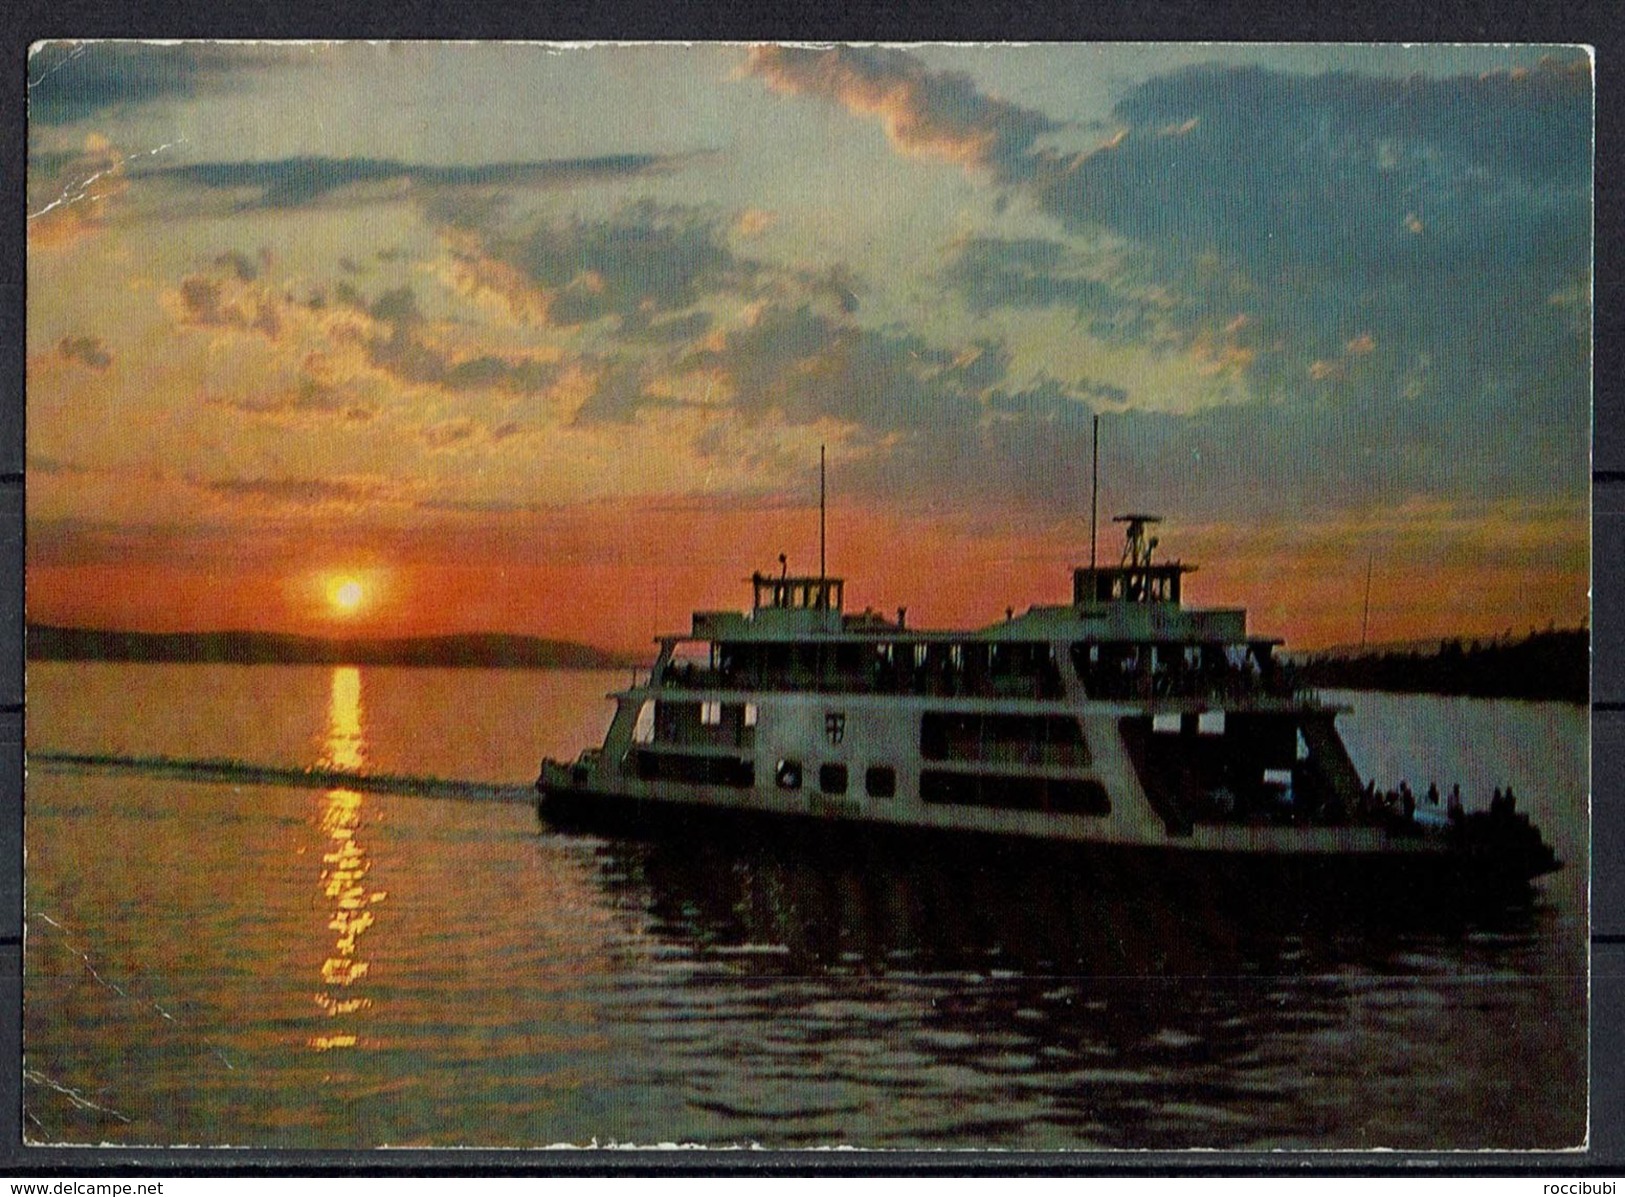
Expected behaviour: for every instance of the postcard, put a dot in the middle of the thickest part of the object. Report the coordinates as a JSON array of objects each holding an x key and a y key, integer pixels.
[{"x": 901, "y": 597}]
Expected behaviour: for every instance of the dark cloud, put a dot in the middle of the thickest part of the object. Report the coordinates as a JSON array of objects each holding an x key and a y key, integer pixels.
[
  {"x": 1340, "y": 173},
  {"x": 73, "y": 81},
  {"x": 315, "y": 182},
  {"x": 244, "y": 267},
  {"x": 671, "y": 331},
  {"x": 86, "y": 351},
  {"x": 395, "y": 337},
  {"x": 214, "y": 303},
  {"x": 619, "y": 392},
  {"x": 1036, "y": 272},
  {"x": 404, "y": 350},
  {"x": 1371, "y": 254},
  {"x": 641, "y": 264},
  {"x": 800, "y": 365}
]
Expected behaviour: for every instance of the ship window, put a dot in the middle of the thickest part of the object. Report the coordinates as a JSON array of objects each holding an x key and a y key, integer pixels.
[
  {"x": 880, "y": 781},
  {"x": 1165, "y": 723},
  {"x": 695, "y": 770},
  {"x": 832, "y": 779},
  {"x": 711, "y": 713},
  {"x": 643, "y": 732},
  {"x": 1059, "y": 796},
  {"x": 788, "y": 775},
  {"x": 1210, "y": 723},
  {"x": 750, "y": 714},
  {"x": 835, "y": 726}
]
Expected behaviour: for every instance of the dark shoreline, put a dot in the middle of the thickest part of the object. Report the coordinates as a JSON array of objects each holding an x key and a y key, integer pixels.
[
  {"x": 465, "y": 651},
  {"x": 1551, "y": 666}
]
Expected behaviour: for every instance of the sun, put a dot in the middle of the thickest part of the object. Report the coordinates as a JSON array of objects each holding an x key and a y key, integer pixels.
[{"x": 346, "y": 595}]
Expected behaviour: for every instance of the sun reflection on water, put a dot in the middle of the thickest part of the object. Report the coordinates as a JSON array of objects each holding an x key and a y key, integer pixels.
[{"x": 345, "y": 863}]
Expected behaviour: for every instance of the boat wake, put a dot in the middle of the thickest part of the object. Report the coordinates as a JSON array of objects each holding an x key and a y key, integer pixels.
[{"x": 248, "y": 773}]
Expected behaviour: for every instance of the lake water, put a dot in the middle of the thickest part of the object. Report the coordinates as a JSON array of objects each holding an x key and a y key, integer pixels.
[{"x": 208, "y": 962}]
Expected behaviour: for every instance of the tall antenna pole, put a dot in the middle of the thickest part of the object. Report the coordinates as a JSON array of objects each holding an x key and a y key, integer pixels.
[
  {"x": 1365, "y": 614},
  {"x": 1094, "y": 498},
  {"x": 820, "y": 520}
]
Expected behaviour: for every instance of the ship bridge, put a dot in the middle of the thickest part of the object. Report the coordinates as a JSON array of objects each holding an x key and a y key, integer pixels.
[
  {"x": 783, "y": 607},
  {"x": 785, "y": 593},
  {"x": 1135, "y": 579}
]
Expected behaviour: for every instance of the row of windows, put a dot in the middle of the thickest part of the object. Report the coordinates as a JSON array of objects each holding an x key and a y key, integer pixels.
[
  {"x": 1054, "y": 795},
  {"x": 1030, "y": 739},
  {"x": 879, "y": 781},
  {"x": 937, "y": 786}
]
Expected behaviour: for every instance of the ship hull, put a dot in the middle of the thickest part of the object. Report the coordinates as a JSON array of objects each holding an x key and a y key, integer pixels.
[{"x": 1401, "y": 875}]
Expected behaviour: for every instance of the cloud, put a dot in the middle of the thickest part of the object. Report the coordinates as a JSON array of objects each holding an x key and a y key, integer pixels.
[
  {"x": 90, "y": 352},
  {"x": 402, "y": 344},
  {"x": 298, "y": 492},
  {"x": 464, "y": 432},
  {"x": 643, "y": 262},
  {"x": 989, "y": 273},
  {"x": 246, "y": 269},
  {"x": 1340, "y": 171},
  {"x": 71, "y": 196},
  {"x": 799, "y": 365},
  {"x": 1363, "y": 252},
  {"x": 74, "y": 81},
  {"x": 308, "y": 400},
  {"x": 339, "y": 334},
  {"x": 933, "y": 114},
  {"x": 313, "y": 182}
]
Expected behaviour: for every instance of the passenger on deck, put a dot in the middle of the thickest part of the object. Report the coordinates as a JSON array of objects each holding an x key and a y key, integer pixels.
[
  {"x": 1407, "y": 801},
  {"x": 1456, "y": 811},
  {"x": 1433, "y": 793}
]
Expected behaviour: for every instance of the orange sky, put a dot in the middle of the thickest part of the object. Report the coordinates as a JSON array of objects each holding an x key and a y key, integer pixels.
[
  {"x": 616, "y": 575},
  {"x": 301, "y": 314}
]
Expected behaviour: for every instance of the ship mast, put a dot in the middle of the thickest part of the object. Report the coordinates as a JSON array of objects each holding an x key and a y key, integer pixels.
[
  {"x": 1094, "y": 497},
  {"x": 1365, "y": 612},
  {"x": 821, "y": 574}
]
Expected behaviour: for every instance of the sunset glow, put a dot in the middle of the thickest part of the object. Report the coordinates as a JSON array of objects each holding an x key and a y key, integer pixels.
[
  {"x": 346, "y": 595},
  {"x": 334, "y": 339}
]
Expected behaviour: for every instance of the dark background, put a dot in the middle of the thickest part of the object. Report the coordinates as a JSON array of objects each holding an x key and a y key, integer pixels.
[{"x": 1600, "y": 23}]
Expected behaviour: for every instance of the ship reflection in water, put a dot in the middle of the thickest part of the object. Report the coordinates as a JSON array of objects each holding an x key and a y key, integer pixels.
[
  {"x": 819, "y": 993},
  {"x": 345, "y": 866}
]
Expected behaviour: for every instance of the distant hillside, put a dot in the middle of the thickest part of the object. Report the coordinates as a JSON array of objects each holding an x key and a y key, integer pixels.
[
  {"x": 1543, "y": 665},
  {"x": 474, "y": 650}
]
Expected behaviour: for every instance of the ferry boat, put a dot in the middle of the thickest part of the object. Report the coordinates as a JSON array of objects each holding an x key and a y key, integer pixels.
[{"x": 1122, "y": 723}]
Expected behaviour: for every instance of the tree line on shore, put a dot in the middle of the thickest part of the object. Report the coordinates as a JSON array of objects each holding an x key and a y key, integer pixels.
[{"x": 1551, "y": 665}]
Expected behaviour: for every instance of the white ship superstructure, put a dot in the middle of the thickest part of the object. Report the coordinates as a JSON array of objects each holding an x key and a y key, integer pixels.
[{"x": 1122, "y": 718}]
